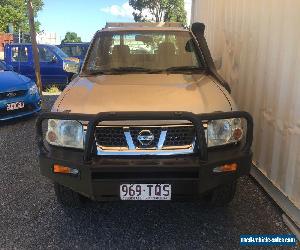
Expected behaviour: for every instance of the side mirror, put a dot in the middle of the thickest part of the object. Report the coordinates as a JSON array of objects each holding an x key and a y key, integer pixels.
[
  {"x": 188, "y": 46},
  {"x": 53, "y": 60},
  {"x": 71, "y": 66}
]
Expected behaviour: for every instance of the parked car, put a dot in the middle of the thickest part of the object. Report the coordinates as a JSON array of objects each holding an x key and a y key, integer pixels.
[
  {"x": 52, "y": 60},
  {"x": 18, "y": 95},
  {"x": 77, "y": 50},
  {"x": 155, "y": 126}
]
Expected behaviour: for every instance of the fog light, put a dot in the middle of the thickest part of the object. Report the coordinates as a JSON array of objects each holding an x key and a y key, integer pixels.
[
  {"x": 64, "y": 170},
  {"x": 226, "y": 168}
]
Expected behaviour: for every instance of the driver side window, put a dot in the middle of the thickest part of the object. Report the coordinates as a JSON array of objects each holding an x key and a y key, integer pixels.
[{"x": 46, "y": 55}]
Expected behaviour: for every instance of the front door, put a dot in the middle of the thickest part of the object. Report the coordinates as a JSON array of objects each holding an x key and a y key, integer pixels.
[{"x": 51, "y": 66}]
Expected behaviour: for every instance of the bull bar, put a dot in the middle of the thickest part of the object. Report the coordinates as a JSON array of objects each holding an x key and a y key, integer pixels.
[{"x": 94, "y": 119}]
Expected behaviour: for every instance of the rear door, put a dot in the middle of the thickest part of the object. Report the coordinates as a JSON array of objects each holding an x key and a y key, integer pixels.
[{"x": 20, "y": 57}]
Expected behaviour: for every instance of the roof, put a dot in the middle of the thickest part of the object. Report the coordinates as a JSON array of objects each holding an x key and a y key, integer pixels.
[{"x": 175, "y": 26}]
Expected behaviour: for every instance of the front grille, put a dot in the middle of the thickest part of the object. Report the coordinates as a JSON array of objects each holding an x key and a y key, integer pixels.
[
  {"x": 178, "y": 136},
  {"x": 12, "y": 94},
  {"x": 141, "y": 138},
  {"x": 110, "y": 137},
  {"x": 27, "y": 108}
]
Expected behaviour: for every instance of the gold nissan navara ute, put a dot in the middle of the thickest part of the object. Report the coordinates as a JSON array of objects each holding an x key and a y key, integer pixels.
[{"x": 147, "y": 118}]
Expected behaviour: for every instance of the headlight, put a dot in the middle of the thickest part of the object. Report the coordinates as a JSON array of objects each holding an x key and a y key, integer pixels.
[
  {"x": 65, "y": 133},
  {"x": 221, "y": 132},
  {"x": 33, "y": 89}
]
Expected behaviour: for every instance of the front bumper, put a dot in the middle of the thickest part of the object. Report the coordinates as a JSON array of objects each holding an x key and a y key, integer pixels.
[
  {"x": 100, "y": 177},
  {"x": 32, "y": 105}
]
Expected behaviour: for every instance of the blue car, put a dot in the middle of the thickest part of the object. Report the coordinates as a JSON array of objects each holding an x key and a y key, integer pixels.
[
  {"x": 52, "y": 61},
  {"x": 18, "y": 95}
]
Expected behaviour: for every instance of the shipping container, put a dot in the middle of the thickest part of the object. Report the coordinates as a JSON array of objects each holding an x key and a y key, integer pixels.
[{"x": 257, "y": 45}]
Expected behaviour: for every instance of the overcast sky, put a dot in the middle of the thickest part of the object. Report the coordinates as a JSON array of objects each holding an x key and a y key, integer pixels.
[{"x": 85, "y": 17}]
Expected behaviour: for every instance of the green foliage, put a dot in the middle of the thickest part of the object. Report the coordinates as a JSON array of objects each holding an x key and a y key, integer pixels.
[
  {"x": 53, "y": 89},
  {"x": 71, "y": 37},
  {"x": 159, "y": 10},
  {"x": 175, "y": 11},
  {"x": 15, "y": 12}
]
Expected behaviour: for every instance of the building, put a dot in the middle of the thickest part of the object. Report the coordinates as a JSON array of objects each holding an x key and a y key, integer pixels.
[
  {"x": 4, "y": 38},
  {"x": 47, "y": 38}
]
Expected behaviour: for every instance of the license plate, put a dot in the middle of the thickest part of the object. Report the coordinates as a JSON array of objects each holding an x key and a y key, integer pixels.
[
  {"x": 145, "y": 192},
  {"x": 14, "y": 106}
]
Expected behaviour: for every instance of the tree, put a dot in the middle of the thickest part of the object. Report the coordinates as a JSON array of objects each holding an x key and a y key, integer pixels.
[
  {"x": 71, "y": 37},
  {"x": 175, "y": 11},
  {"x": 158, "y": 10},
  {"x": 15, "y": 12}
]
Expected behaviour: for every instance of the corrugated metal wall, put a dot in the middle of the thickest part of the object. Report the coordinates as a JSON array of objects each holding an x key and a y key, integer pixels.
[{"x": 258, "y": 44}]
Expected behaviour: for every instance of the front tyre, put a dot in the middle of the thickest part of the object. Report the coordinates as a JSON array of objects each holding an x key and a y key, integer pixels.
[
  {"x": 67, "y": 197},
  {"x": 222, "y": 195}
]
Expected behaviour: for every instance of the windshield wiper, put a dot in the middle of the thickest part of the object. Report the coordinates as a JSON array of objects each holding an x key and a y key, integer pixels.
[
  {"x": 146, "y": 70},
  {"x": 130, "y": 69},
  {"x": 119, "y": 70},
  {"x": 184, "y": 68}
]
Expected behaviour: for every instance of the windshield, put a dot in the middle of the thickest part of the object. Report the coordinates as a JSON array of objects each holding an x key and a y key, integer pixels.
[{"x": 143, "y": 51}]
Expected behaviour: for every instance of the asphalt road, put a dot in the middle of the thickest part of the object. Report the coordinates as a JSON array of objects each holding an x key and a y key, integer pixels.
[{"x": 30, "y": 217}]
